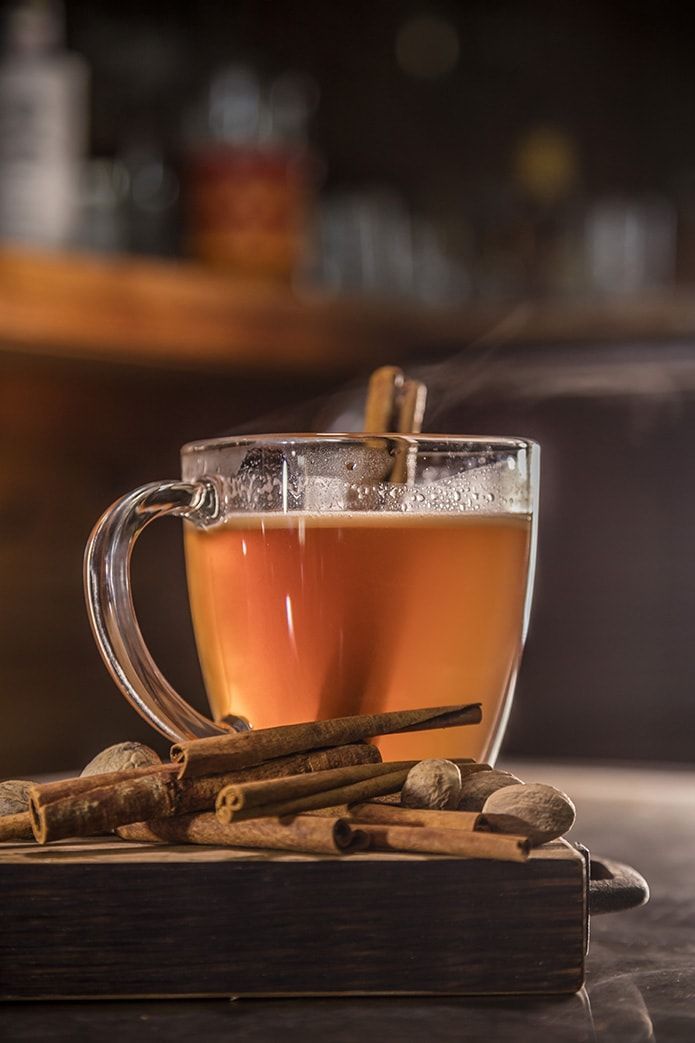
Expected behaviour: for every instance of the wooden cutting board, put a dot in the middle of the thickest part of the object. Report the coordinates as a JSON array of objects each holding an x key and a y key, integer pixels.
[{"x": 108, "y": 919}]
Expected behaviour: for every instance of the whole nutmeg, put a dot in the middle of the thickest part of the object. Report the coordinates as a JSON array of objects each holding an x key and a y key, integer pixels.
[
  {"x": 475, "y": 789},
  {"x": 432, "y": 784},
  {"x": 14, "y": 796},
  {"x": 536, "y": 811},
  {"x": 121, "y": 757}
]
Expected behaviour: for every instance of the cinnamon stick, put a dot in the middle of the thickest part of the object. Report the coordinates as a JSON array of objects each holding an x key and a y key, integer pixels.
[
  {"x": 382, "y": 392},
  {"x": 396, "y": 815},
  {"x": 323, "y": 789},
  {"x": 99, "y": 803},
  {"x": 411, "y": 407},
  {"x": 320, "y": 836},
  {"x": 459, "y": 842},
  {"x": 411, "y": 410},
  {"x": 51, "y": 791},
  {"x": 16, "y": 827},
  {"x": 100, "y": 808},
  {"x": 227, "y": 752}
]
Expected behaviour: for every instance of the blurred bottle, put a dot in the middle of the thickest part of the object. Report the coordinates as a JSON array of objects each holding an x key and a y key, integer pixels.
[
  {"x": 529, "y": 227},
  {"x": 547, "y": 174},
  {"x": 152, "y": 215},
  {"x": 103, "y": 195},
  {"x": 368, "y": 242},
  {"x": 630, "y": 245},
  {"x": 43, "y": 127},
  {"x": 250, "y": 176},
  {"x": 364, "y": 243}
]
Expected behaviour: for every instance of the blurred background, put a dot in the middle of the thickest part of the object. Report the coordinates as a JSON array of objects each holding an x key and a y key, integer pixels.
[{"x": 215, "y": 212}]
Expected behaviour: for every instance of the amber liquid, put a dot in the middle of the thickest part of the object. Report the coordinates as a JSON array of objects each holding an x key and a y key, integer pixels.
[{"x": 301, "y": 617}]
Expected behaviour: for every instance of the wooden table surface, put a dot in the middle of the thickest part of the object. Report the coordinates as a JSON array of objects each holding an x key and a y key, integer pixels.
[{"x": 641, "y": 967}]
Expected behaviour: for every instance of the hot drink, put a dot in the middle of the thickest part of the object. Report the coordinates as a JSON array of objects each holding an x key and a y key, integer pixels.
[{"x": 301, "y": 616}]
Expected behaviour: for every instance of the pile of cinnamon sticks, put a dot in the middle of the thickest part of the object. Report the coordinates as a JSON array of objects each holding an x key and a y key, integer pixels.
[{"x": 317, "y": 787}]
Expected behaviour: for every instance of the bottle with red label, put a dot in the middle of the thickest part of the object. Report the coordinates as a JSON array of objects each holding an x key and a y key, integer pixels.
[{"x": 250, "y": 176}]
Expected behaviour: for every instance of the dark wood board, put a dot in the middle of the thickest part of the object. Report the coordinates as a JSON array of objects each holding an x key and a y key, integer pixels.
[{"x": 105, "y": 918}]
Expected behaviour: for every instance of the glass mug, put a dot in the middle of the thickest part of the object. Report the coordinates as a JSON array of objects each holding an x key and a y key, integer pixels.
[{"x": 331, "y": 575}]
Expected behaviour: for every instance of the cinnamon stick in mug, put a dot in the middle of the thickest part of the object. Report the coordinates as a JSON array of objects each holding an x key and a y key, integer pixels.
[
  {"x": 99, "y": 803},
  {"x": 242, "y": 749},
  {"x": 411, "y": 410},
  {"x": 290, "y": 796},
  {"x": 381, "y": 409},
  {"x": 320, "y": 836}
]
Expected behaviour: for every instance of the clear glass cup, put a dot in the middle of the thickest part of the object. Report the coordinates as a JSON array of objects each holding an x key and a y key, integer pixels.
[{"x": 331, "y": 575}]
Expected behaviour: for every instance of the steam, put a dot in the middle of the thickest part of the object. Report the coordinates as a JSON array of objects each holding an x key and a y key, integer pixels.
[
  {"x": 493, "y": 370},
  {"x": 655, "y": 377}
]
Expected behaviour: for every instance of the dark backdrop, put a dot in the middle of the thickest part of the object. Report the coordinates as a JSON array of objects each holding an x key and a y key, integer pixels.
[{"x": 618, "y": 77}]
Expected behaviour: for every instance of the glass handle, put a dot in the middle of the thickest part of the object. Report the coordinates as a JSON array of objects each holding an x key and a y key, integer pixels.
[{"x": 112, "y": 613}]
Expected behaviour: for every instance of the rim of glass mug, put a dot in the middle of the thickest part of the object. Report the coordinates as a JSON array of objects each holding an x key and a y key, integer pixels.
[
  {"x": 390, "y": 473},
  {"x": 359, "y": 438}
]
